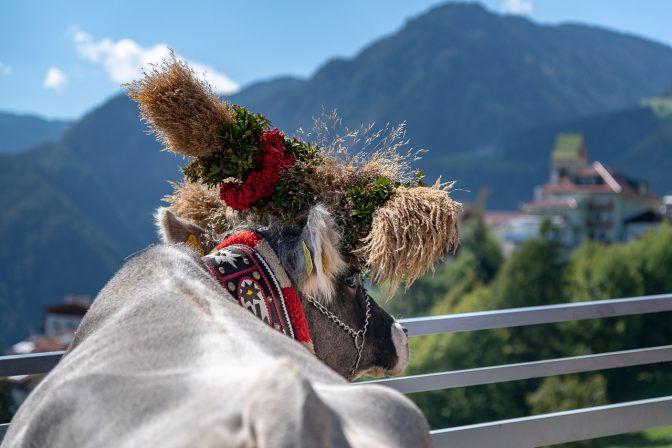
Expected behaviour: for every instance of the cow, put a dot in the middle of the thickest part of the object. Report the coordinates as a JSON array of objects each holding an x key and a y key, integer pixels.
[
  {"x": 167, "y": 357},
  {"x": 246, "y": 326}
]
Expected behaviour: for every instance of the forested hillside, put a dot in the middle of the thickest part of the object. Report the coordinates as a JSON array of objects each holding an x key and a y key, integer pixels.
[{"x": 73, "y": 210}]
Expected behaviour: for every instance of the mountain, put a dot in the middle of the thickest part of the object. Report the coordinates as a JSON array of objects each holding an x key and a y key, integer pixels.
[
  {"x": 465, "y": 80},
  {"x": 23, "y": 131},
  {"x": 264, "y": 90},
  {"x": 469, "y": 84},
  {"x": 51, "y": 245},
  {"x": 73, "y": 210},
  {"x": 133, "y": 170}
]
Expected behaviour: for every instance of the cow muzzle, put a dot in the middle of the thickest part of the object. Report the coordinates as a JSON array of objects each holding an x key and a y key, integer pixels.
[{"x": 400, "y": 341}]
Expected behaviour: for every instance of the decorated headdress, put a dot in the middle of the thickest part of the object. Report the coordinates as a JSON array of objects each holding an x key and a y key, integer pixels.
[{"x": 391, "y": 223}]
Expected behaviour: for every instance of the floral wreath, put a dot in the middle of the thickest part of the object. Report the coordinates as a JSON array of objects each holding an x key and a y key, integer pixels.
[
  {"x": 259, "y": 184},
  {"x": 391, "y": 222}
]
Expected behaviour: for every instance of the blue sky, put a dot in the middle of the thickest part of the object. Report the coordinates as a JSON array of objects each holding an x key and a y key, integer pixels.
[{"x": 60, "y": 59}]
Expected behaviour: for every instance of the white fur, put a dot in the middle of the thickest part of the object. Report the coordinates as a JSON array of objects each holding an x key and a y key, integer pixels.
[
  {"x": 400, "y": 341},
  {"x": 161, "y": 219},
  {"x": 175, "y": 230},
  {"x": 322, "y": 239}
]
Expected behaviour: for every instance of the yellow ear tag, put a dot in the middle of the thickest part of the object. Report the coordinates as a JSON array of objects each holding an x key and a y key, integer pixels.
[
  {"x": 307, "y": 257},
  {"x": 324, "y": 264},
  {"x": 193, "y": 242}
]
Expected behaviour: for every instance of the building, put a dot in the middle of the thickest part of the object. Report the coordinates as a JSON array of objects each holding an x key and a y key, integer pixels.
[
  {"x": 666, "y": 208},
  {"x": 67, "y": 316},
  {"x": 60, "y": 323},
  {"x": 521, "y": 227},
  {"x": 584, "y": 200}
]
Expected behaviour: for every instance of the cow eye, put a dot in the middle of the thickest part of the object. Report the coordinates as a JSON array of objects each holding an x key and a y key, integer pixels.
[{"x": 352, "y": 280}]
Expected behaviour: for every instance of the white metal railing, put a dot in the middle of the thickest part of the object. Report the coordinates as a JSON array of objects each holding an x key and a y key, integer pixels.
[
  {"x": 546, "y": 429},
  {"x": 534, "y": 315},
  {"x": 532, "y": 431},
  {"x": 528, "y": 370},
  {"x": 560, "y": 427},
  {"x": 28, "y": 364}
]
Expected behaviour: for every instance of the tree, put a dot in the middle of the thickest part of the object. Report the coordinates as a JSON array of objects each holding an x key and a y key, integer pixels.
[
  {"x": 476, "y": 263},
  {"x": 458, "y": 351},
  {"x": 565, "y": 393},
  {"x": 639, "y": 267},
  {"x": 480, "y": 242},
  {"x": 536, "y": 275},
  {"x": 533, "y": 275},
  {"x": 6, "y": 403}
]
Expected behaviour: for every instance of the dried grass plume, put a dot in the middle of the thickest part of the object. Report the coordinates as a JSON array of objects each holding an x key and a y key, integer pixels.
[
  {"x": 200, "y": 205},
  {"x": 410, "y": 233},
  {"x": 181, "y": 109}
]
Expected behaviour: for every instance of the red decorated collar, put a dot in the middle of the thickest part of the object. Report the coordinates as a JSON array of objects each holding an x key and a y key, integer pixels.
[{"x": 246, "y": 265}]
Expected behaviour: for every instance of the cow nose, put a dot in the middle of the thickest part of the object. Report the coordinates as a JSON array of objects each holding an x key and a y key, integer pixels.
[{"x": 405, "y": 330}]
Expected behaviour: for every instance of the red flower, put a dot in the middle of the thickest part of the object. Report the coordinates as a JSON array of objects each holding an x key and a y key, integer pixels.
[
  {"x": 260, "y": 183},
  {"x": 273, "y": 139}
]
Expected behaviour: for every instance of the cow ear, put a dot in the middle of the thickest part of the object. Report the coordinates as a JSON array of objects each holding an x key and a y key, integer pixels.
[
  {"x": 175, "y": 230},
  {"x": 319, "y": 259}
]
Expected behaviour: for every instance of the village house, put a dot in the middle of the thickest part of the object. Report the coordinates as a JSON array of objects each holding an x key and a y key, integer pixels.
[
  {"x": 582, "y": 201},
  {"x": 60, "y": 323},
  {"x": 58, "y": 329}
]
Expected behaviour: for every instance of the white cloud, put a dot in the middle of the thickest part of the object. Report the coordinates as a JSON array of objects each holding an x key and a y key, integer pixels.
[
  {"x": 124, "y": 59},
  {"x": 5, "y": 70},
  {"x": 55, "y": 79},
  {"x": 517, "y": 6}
]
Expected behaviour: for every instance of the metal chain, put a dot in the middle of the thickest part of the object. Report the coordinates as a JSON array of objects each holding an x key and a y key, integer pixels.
[{"x": 358, "y": 335}]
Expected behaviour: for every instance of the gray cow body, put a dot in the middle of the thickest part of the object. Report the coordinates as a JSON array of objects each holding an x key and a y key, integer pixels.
[{"x": 165, "y": 358}]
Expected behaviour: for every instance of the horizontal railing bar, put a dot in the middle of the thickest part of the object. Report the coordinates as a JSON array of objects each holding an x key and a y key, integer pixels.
[
  {"x": 28, "y": 364},
  {"x": 527, "y": 370},
  {"x": 545, "y": 429},
  {"x": 516, "y": 317},
  {"x": 560, "y": 427},
  {"x": 43, "y": 362}
]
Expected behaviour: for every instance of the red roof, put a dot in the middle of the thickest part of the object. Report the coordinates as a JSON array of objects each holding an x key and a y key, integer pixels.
[
  {"x": 587, "y": 171},
  {"x": 40, "y": 344},
  {"x": 569, "y": 187},
  {"x": 553, "y": 203},
  {"x": 71, "y": 310},
  {"x": 611, "y": 181},
  {"x": 496, "y": 219}
]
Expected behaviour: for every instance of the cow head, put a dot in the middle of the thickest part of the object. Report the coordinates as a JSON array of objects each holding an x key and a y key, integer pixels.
[
  {"x": 332, "y": 293},
  {"x": 328, "y": 212}
]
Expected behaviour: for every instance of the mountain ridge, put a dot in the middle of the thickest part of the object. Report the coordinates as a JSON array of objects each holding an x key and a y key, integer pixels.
[
  {"x": 456, "y": 86},
  {"x": 22, "y": 131}
]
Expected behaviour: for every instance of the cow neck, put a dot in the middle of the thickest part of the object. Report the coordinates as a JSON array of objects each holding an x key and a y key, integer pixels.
[{"x": 246, "y": 266}]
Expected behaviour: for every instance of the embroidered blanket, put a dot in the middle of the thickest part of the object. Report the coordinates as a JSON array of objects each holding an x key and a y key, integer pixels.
[{"x": 246, "y": 265}]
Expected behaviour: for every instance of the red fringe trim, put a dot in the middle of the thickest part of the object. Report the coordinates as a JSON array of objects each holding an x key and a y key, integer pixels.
[
  {"x": 244, "y": 237},
  {"x": 296, "y": 315}
]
